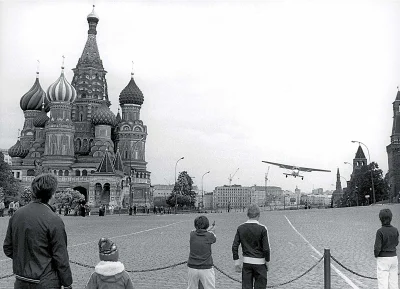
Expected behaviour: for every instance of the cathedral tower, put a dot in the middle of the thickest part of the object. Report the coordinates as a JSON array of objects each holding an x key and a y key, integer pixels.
[
  {"x": 59, "y": 129},
  {"x": 31, "y": 104},
  {"x": 393, "y": 151},
  {"x": 91, "y": 87}
]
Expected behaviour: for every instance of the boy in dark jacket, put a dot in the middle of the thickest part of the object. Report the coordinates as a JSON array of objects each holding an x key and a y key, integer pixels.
[
  {"x": 386, "y": 241},
  {"x": 109, "y": 273},
  {"x": 36, "y": 241},
  {"x": 200, "y": 261},
  {"x": 253, "y": 237}
]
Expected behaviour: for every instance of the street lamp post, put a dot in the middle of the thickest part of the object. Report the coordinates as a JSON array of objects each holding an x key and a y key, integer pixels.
[
  {"x": 202, "y": 191},
  {"x": 176, "y": 197},
  {"x": 372, "y": 176}
]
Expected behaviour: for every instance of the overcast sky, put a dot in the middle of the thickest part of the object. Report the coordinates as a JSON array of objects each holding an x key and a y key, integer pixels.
[{"x": 226, "y": 84}]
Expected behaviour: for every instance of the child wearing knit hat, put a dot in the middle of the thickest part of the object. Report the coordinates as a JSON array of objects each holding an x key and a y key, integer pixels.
[{"x": 109, "y": 273}]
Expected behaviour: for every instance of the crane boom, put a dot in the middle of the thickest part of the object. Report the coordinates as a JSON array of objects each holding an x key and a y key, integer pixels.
[{"x": 231, "y": 176}]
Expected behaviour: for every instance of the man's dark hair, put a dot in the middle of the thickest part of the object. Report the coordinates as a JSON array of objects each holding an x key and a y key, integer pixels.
[
  {"x": 385, "y": 215},
  {"x": 44, "y": 186},
  {"x": 201, "y": 222}
]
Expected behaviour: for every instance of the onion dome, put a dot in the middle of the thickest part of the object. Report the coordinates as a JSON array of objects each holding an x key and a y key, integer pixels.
[
  {"x": 61, "y": 90},
  {"x": 17, "y": 150},
  {"x": 103, "y": 116},
  {"x": 131, "y": 94},
  {"x": 93, "y": 16},
  {"x": 32, "y": 100},
  {"x": 41, "y": 119}
]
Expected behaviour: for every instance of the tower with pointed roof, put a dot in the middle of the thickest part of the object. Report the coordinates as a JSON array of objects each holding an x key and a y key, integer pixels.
[
  {"x": 393, "y": 151},
  {"x": 91, "y": 86},
  {"x": 359, "y": 160},
  {"x": 338, "y": 193}
]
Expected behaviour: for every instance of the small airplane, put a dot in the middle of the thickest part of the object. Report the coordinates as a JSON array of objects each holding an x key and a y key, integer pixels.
[{"x": 295, "y": 170}]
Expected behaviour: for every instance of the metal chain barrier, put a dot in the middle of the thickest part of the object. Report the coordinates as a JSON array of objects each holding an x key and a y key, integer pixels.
[
  {"x": 156, "y": 269},
  {"x": 351, "y": 271},
  {"x": 281, "y": 284}
]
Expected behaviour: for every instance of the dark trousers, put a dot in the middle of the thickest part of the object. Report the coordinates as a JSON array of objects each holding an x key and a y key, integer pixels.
[{"x": 254, "y": 274}]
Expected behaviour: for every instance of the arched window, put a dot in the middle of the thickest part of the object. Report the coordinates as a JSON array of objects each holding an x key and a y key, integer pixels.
[
  {"x": 84, "y": 173},
  {"x": 66, "y": 173},
  {"x": 77, "y": 173},
  {"x": 55, "y": 172},
  {"x": 30, "y": 172},
  {"x": 81, "y": 116},
  {"x": 60, "y": 172}
]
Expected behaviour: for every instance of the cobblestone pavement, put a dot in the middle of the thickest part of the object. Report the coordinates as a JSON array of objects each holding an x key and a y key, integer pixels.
[{"x": 147, "y": 242}]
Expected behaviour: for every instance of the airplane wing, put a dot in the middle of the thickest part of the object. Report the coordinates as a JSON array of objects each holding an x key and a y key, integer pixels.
[
  {"x": 312, "y": 170},
  {"x": 289, "y": 167}
]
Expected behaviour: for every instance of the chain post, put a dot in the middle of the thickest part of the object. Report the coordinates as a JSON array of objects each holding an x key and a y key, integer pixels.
[{"x": 327, "y": 269}]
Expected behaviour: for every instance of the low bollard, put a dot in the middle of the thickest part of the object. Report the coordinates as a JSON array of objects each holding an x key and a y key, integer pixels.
[{"x": 327, "y": 269}]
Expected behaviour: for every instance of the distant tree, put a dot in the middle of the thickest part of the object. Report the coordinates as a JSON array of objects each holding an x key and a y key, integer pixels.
[
  {"x": 361, "y": 186},
  {"x": 68, "y": 197},
  {"x": 11, "y": 186},
  {"x": 183, "y": 191}
]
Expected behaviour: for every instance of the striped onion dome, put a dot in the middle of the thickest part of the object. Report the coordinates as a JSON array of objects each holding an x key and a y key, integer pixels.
[
  {"x": 93, "y": 15},
  {"x": 32, "y": 100},
  {"x": 131, "y": 94},
  {"x": 103, "y": 115},
  {"x": 41, "y": 119},
  {"x": 17, "y": 150},
  {"x": 61, "y": 90}
]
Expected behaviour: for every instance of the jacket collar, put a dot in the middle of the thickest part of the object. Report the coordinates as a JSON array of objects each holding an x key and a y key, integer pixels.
[
  {"x": 251, "y": 221},
  {"x": 46, "y": 205},
  {"x": 109, "y": 268}
]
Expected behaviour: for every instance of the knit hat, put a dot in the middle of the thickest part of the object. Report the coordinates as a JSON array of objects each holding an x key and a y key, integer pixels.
[{"x": 108, "y": 250}]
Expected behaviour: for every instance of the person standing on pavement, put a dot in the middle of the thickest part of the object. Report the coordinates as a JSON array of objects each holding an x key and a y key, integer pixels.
[
  {"x": 386, "y": 241},
  {"x": 253, "y": 237},
  {"x": 36, "y": 241},
  {"x": 200, "y": 261}
]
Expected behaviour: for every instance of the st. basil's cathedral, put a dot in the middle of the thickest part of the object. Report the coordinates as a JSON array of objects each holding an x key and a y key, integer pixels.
[{"x": 81, "y": 141}]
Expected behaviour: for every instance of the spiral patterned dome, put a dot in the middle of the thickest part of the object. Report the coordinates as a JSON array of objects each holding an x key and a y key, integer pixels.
[
  {"x": 32, "y": 100},
  {"x": 61, "y": 90},
  {"x": 103, "y": 116},
  {"x": 131, "y": 94},
  {"x": 17, "y": 151},
  {"x": 41, "y": 119}
]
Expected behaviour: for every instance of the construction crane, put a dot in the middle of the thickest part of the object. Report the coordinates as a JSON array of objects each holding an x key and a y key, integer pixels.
[{"x": 231, "y": 177}]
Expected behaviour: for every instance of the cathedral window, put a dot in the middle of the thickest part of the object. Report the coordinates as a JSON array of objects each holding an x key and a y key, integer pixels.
[
  {"x": 77, "y": 173},
  {"x": 66, "y": 173},
  {"x": 84, "y": 173},
  {"x": 60, "y": 172},
  {"x": 81, "y": 116},
  {"x": 30, "y": 172},
  {"x": 126, "y": 154}
]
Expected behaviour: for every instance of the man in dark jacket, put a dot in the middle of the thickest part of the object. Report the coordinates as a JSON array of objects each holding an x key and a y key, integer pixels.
[
  {"x": 37, "y": 242},
  {"x": 253, "y": 237}
]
